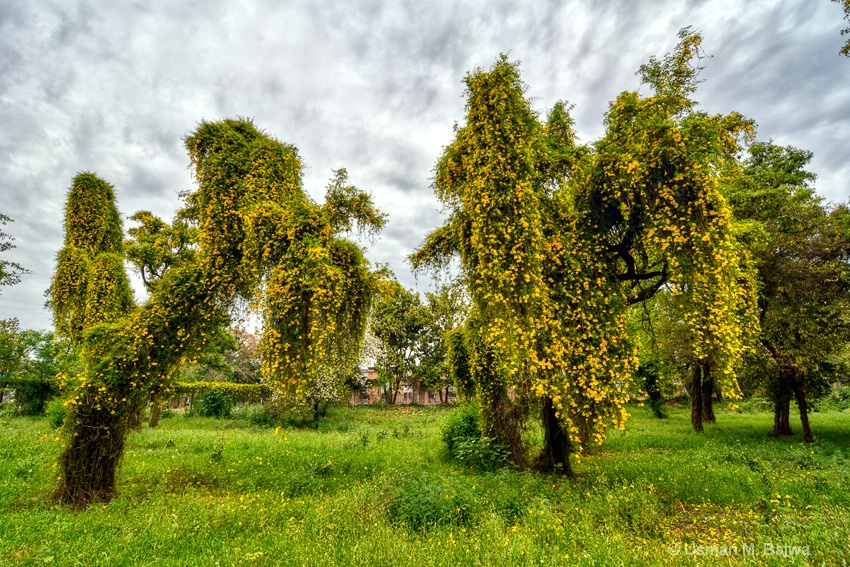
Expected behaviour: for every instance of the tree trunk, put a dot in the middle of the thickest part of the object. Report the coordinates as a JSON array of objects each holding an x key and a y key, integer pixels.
[
  {"x": 707, "y": 394},
  {"x": 156, "y": 412},
  {"x": 808, "y": 436},
  {"x": 556, "y": 443},
  {"x": 781, "y": 414},
  {"x": 91, "y": 458},
  {"x": 696, "y": 396}
]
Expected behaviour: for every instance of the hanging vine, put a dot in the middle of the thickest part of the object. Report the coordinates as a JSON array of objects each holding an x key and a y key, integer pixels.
[{"x": 260, "y": 238}]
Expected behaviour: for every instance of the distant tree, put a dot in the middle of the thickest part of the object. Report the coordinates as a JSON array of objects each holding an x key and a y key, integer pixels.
[
  {"x": 244, "y": 360},
  {"x": 802, "y": 251},
  {"x": 10, "y": 272},
  {"x": 213, "y": 364},
  {"x": 13, "y": 350},
  {"x": 446, "y": 310},
  {"x": 458, "y": 364},
  {"x": 155, "y": 246},
  {"x": 399, "y": 321},
  {"x": 46, "y": 358}
]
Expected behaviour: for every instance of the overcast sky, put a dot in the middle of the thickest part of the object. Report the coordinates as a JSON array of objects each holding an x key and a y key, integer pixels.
[{"x": 375, "y": 87}]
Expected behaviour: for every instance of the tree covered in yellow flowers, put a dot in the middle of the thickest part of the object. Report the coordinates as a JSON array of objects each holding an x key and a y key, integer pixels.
[
  {"x": 259, "y": 238},
  {"x": 90, "y": 285},
  {"x": 556, "y": 240}
]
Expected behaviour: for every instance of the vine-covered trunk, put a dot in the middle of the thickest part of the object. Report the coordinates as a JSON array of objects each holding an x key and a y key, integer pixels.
[
  {"x": 555, "y": 456},
  {"x": 90, "y": 460},
  {"x": 707, "y": 394},
  {"x": 808, "y": 436},
  {"x": 696, "y": 396},
  {"x": 500, "y": 421}
]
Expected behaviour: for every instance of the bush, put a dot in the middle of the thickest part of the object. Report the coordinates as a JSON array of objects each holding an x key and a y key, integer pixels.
[
  {"x": 32, "y": 395},
  {"x": 461, "y": 424},
  {"x": 462, "y": 436},
  {"x": 56, "y": 412},
  {"x": 421, "y": 502},
  {"x": 841, "y": 397},
  {"x": 262, "y": 416},
  {"x": 215, "y": 403},
  {"x": 481, "y": 453}
]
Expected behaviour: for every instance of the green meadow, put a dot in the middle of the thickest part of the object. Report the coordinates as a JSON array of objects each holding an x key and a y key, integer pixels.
[{"x": 373, "y": 486}]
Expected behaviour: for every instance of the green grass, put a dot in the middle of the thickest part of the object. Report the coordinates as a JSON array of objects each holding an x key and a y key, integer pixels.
[{"x": 371, "y": 486}]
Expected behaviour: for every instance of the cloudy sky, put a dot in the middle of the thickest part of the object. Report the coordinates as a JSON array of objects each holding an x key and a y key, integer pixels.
[{"x": 112, "y": 87}]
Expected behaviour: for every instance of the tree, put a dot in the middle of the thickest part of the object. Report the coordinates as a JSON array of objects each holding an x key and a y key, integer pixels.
[
  {"x": 245, "y": 358},
  {"x": 399, "y": 321},
  {"x": 446, "y": 309},
  {"x": 155, "y": 246},
  {"x": 802, "y": 248},
  {"x": 261, "y": 239},
  {"x": 45, "y": 357},
  {"x": 90, "y": 286},
  {"x": 12, "y": 352},
  {"x": 10, "y": 272},
  {"x": 556, "y": 241}
]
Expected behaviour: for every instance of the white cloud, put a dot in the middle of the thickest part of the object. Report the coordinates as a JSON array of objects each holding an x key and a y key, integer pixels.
[{"x": 371, "y": 86}]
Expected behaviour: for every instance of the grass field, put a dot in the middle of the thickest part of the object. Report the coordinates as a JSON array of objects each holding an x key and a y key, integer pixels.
[{"x": 371, "y": 486}]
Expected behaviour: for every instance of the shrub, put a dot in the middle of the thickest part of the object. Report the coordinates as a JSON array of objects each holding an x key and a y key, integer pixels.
[
  {"x": 56, "y": 412},
  {"x": 462, "y": 436},
  {"x": 215, "y": 403},
  {"x": 840, "y": 396},
  {"x": 481, "y": 453},
  {"x": 32, "y": 395},
  {"x": 421, "y": 502},
  {"x": 462, "y": 423}
]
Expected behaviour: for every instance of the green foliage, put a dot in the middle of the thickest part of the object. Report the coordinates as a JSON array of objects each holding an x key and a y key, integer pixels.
[
  {"x": 259, "y": 239},
  {"x": 460, "y": 424},
  {"x": 481, "y": 453},
  {"x": 840, "y": 396},
  {"x": 215, "y": 403},
  {"x": 56, "y": 412},
  {"x": 13, "y": 349},
  {"x": 800, "y": 247},
  {"x": 458, "y": 364},
  {"x": 90, "y": 286},
  {"x": 555, "y": 242},
  {"x": 30, "y": 362},
  {"x": 347, "y": 206},
  {"x": 461, "y": 434},
  {"x": 422, "y": 502},
  {"x": 295, "y": 490},
  {"x": 236, "y": 390},
  {"x": 446, "y": 309},
  {"x": 155, "y": 246},
  {"x": 399, "y": 321},
  {"x": 32, "y": 395}
]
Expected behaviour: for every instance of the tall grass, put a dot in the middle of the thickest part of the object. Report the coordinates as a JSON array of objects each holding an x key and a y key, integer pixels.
[{"x": 373, "y": 486}]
